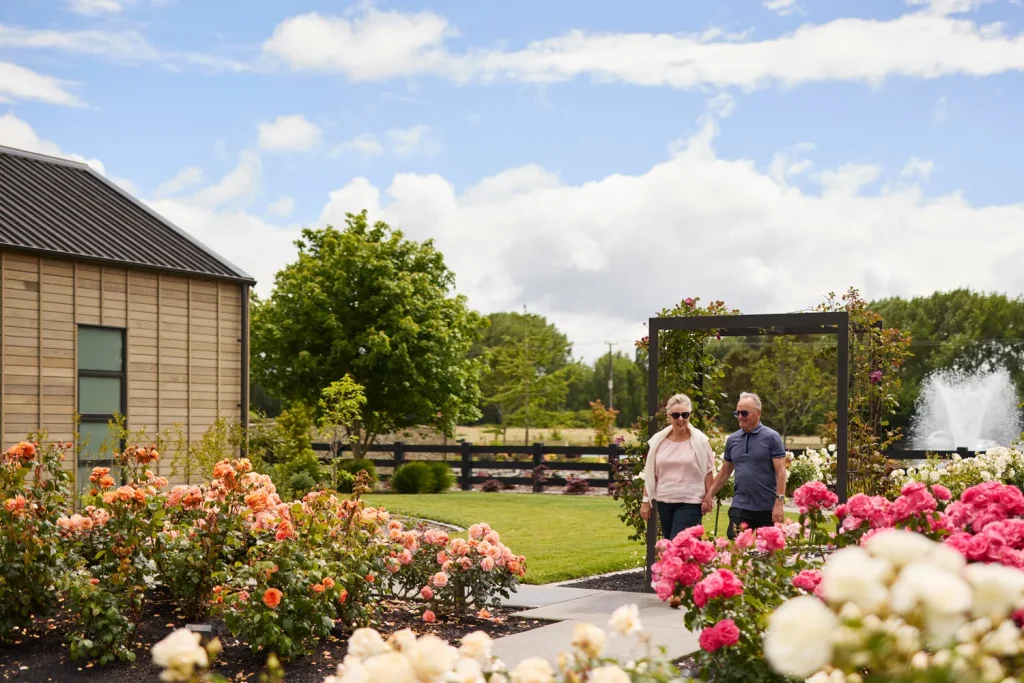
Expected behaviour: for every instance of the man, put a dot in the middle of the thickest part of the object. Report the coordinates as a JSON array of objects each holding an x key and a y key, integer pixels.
[{"x": 756, "y": 453}]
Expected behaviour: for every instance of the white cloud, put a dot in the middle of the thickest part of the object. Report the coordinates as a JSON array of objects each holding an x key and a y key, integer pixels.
[
  {"x": 371, "y": 46},
  {"x": 240, "y": 184},
  {"x": 281, "y": 208},
  {"x": 927, "y": 42},
  {"x": 117, "y": 45},
  {"x": 941, "y": 110},
  {"x": 19, "y": 134},
  {"x": 293, "y": 133},
  {"x": 128, "y": 186},
  {"x": 848, "y": 179},
  {"x": 186, "y": 177},
  {"x": 20, "y": 83},
  {"x": 782, "y": 7},
  {"x": 418, "y": 139},
  {"x": 91, "y": 8},
  {"x": 364, "y": 144},
  {"x": 917, "y": 167}
]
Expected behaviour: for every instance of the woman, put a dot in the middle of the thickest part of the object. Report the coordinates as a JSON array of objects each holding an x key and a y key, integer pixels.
[{"x": 679, "y": 471}]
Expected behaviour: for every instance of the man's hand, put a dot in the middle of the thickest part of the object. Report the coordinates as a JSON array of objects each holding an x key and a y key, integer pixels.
[
  {"x": 778, "y": 512},
  {"x": 706, "y": 504},
  {"x": 645, "y": 511}
]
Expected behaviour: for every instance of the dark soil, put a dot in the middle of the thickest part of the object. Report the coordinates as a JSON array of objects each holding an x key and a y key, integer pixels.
[
  {"x": 629, "y": 582},
  {"x": 42, "y": 654}
]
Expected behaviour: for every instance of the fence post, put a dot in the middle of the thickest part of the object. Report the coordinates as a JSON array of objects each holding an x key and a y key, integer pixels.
[
  {"x": 613, "y": 460},
  {"x": 399, "y": 454},
  {"x": 538, "y": 460},
  {"x": 467, "y": 466}
]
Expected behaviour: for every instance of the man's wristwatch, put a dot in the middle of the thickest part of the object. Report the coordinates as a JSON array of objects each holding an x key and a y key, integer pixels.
[{"x": 781, "y": 498}]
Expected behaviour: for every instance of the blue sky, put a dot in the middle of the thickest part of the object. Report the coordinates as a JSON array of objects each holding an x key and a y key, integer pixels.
[{"x": 592, "y": 161}]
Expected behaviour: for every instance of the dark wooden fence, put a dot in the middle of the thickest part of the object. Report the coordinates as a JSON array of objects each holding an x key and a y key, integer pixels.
[{"x": 471, "y": 461}]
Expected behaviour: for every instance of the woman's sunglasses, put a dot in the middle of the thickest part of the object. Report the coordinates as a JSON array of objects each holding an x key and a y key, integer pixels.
[
  {"x": 741, "y": 413},
  {"x": 680, "y": 416}
]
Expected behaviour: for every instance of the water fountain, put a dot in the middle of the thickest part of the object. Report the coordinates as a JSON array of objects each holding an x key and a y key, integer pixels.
[{"x": 976, "y": 411}]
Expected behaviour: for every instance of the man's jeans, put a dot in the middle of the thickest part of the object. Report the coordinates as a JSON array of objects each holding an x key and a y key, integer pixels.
[
  {"x": 754, "y": 519},
  {"x": 675, "y": 517}
]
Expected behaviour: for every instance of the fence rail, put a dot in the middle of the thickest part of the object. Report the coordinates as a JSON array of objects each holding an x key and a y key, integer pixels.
[{"x": 470, "y": 468}]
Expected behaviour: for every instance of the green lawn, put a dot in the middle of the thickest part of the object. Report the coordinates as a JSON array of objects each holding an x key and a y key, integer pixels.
[{"x": 562, "y": 537}]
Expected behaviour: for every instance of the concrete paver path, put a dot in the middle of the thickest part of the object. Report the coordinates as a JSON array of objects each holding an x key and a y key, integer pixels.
[{"x": 567, "y": 607}]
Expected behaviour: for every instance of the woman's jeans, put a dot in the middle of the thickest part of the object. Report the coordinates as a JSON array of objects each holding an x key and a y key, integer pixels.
[{"x": 675, "y": 517}]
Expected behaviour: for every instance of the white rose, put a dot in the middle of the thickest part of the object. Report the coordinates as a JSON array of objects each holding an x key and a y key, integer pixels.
[
  {"x": 946, "y": 558},
  {"x": 352, "y": 671},
  {"x": 179, "y": 654},
  {"x": 476, "y": 645},
  {"x": 851, "y": 575},
  {"x": 626, "y": 620},
  {"x": 497, "y": 678},
  {"x": 798, "y": 641},
  {"x": 431, "y": 657},
  {"x": 899, "y": 547},
  {"x": 365, "y": 642},
  {"x": 998, "y": 589},
  {"x": 589, "y": 639},
  {"x": 533, "y": 670},
  {"x": 836, "y": 676},
  {"x": 608, "y": 674},
  {"x": 944, "y": 596},
  {"x": 402, "y": 640},
  {"x": 390, "y": 667},
  {"x": 986, "y": 475},
  {"x": 1004, "y": 641},
  {"x": 466, "y": 671}
]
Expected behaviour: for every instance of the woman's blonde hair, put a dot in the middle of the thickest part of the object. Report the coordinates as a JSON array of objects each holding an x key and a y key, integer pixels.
[{"x": 680, "y": 399}]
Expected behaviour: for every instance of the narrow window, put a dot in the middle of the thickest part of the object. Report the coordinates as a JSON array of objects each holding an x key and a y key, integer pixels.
[{"x": 101, "y": 397}]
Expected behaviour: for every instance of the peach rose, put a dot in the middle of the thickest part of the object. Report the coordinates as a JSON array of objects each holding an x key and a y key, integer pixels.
[{"x": 272, "y": 598}]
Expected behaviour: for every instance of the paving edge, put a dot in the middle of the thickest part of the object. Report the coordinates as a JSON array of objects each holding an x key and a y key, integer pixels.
[
  {"x": 433, "y": 522},
  {"x": 567, "y": 583}
]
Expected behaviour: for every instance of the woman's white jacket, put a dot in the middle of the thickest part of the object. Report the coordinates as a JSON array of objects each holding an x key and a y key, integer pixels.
[{"x": 701, "y": 446}]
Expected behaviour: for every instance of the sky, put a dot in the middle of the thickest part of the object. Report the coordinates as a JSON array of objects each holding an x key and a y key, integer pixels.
[{"x": 593, "y": 162}]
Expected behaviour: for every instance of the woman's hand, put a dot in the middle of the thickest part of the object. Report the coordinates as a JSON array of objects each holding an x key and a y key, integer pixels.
[
  {"x": 706, "y": 505},
  {"x": 645, "y": 511}
]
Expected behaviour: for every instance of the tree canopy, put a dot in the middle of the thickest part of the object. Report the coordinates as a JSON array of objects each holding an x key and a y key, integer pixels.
[{"x": 369, "y": 303}]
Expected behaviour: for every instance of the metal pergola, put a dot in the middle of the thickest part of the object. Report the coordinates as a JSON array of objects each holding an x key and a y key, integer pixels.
[{"x": 775, "y": 324}]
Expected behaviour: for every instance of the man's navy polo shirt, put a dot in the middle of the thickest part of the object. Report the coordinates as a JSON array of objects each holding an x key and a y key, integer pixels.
[{"x": 751, "y": 454}]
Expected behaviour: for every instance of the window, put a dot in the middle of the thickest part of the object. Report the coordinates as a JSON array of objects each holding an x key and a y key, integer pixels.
[{"x": 101, "y": 396}]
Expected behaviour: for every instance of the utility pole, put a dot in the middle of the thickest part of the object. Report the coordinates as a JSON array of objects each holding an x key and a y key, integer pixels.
[{"x": 611, "y": 383}]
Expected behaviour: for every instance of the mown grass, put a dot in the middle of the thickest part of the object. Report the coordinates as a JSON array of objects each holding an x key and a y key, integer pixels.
[{"x": 563, "y": 537}]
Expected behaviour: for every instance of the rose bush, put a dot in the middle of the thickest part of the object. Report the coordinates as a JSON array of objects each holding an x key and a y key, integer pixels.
[
  {"x": 1004, "y": 465},
  {"x": 34, "y": 491},
  {"x": 902, "y": 608},
  {"x": 728, "y": 587},
  {"x": 451, "y": 574}
]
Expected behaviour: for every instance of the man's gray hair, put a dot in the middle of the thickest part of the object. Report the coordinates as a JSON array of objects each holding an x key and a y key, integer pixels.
[
  {"x": 680, "y": 399},
  {"x": 753, "y": 397}
]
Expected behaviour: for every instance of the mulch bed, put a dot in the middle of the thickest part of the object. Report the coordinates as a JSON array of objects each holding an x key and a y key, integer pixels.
[
  {"x": 42, "y": 655},
  {"x": 629, "y": 582}
]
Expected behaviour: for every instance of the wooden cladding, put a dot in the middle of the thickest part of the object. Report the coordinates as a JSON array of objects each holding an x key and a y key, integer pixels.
[{"x": 184, "y": 339}]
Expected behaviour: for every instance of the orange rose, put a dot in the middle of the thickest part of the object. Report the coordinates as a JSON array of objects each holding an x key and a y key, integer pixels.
[
  {"x": 343, "y": 596},
  {"x": 106, "y": 481},
  {"x": 94, "y": 582},
  {"x": 369, "y": 578},
  {"x": 272, "y": 598},
  {"x": 318, "y": 588},
  {"x": 328, "y": 583}
]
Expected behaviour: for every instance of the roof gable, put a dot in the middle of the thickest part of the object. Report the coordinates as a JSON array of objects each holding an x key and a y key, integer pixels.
[{"x": 66, "y": 209}]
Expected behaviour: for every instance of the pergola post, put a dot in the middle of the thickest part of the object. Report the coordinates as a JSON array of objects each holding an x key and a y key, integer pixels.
[{"x": 837, "y": 323}]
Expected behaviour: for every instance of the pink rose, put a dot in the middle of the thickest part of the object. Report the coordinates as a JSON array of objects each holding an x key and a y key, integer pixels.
[
  {"x": 745, "y": 539},
  {"x": 426, "y": 593},
  {"x": 814, "y": 495},
  {"x": 807, "y": 580},
  {"x": 689, "y": 574},
  {"x": 440, "y": 580},
  {"x": 728, "y": 632},
  {"x": 709, "y": 639},
  {"x": 941, "y": 492},
  {"x": 429, "y": 617},
  {"x": 487, "y": 564},
  {"x": 405, "y": 557},
  {"x": 770, "y": 539},
  {"x": 664, "y": 589},
  {"x": 703, "y": 552}
]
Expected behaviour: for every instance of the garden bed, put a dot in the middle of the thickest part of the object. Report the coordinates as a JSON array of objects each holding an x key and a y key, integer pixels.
[
  {"x": 42, "y": 655},
  {"x": 626, "y": 582}
]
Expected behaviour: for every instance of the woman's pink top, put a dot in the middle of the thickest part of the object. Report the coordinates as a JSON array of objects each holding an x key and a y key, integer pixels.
[{"x": 676, "y": 475}]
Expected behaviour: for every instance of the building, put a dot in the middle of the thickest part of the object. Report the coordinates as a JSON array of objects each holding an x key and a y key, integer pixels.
[{"x": 107, "y": 308}]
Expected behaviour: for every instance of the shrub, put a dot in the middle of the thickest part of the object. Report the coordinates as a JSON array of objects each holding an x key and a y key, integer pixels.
[
  {"x": 353, "y": 467},
  {"x": 344, "y": 481},
  {"x": 492, "y": 486},
  {"x": 444, "y": 478},
  {"x": 452, "y": 574},
  {"x": 576, "y": 486},
  {"x": 102, "y": 630},
  {"x": 413, "y": 477},
  {"x": 30, "y": 555}
]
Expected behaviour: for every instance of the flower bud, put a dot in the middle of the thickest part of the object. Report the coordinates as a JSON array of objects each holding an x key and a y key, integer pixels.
[{"x": 919, "y": 661}]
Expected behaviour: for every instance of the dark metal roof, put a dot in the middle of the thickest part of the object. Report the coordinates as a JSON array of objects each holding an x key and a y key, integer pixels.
[{"x": 65, "y": 209}]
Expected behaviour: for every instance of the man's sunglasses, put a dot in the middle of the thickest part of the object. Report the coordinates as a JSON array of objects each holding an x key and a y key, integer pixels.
[
  {"x": 680, "y": 416},
  {"x": 741, "y": 413}
]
